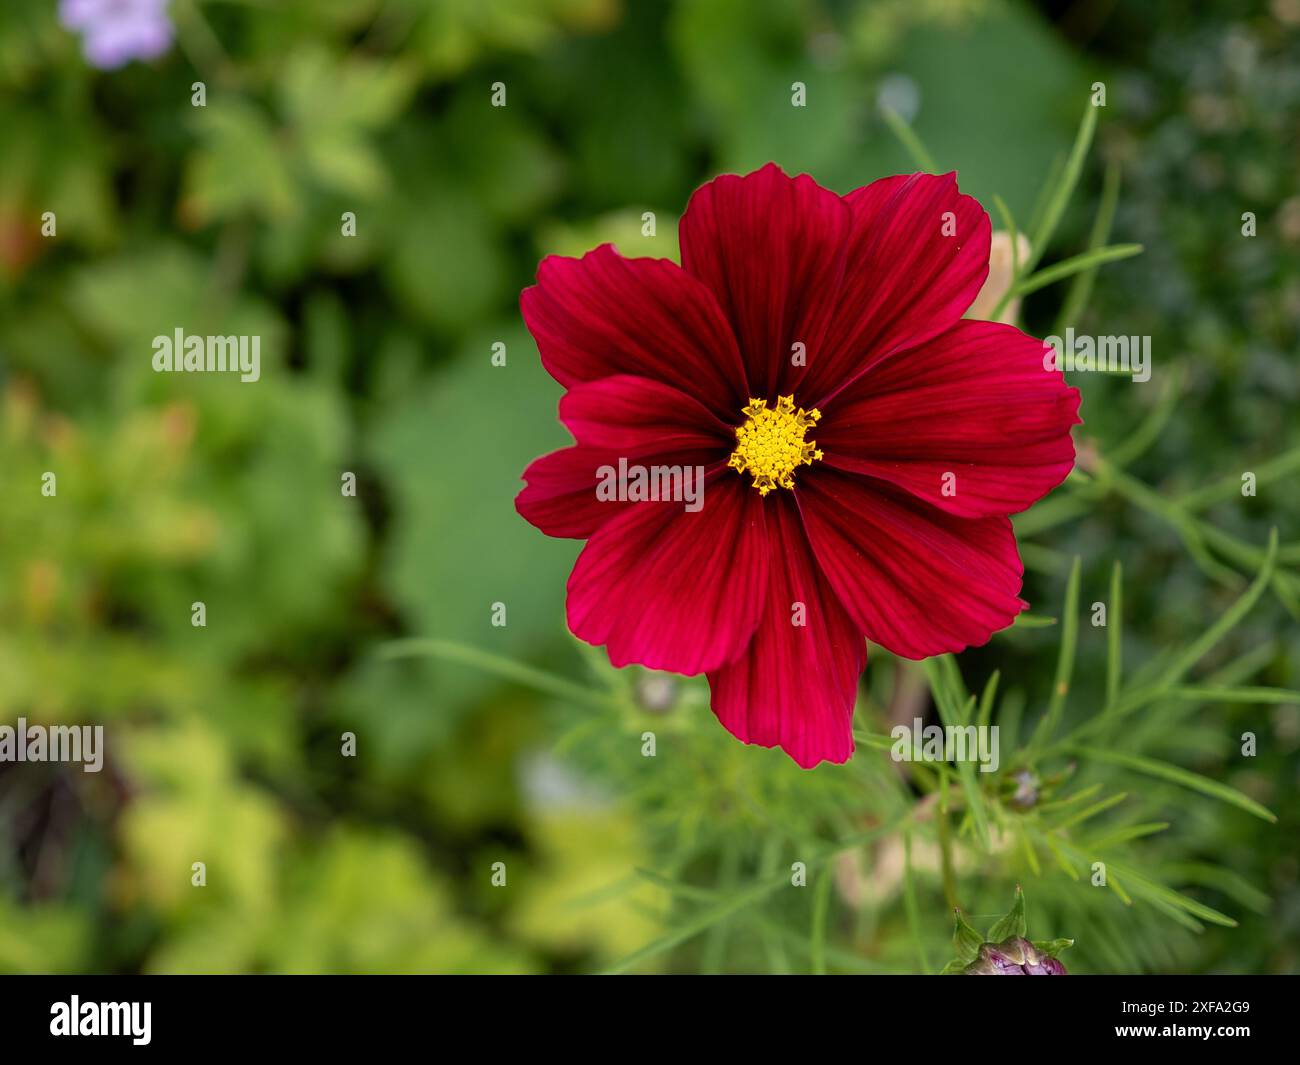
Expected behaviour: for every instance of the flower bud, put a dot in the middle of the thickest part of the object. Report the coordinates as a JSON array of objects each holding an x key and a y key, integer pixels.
[
  {"x": 1013, "y": 957},
  {"x": 1004, "y": 950}
]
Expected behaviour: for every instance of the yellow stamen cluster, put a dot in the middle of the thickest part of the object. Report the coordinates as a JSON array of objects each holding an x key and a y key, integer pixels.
[{"x": 770, "y": 445}]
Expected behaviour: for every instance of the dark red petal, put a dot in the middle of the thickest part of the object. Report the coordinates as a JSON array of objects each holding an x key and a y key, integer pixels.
[
  {"x": 603, "y": 315},
  {"x": 632, "y": 418},
  {"x": 638, "y": 416},
  {"x": 796, "y": 685},
  {"x": 905, "y": 281},
  {"x": 671, "y": 589},
  {"x": 770, "y": 247},
  {"x": 560, "y": 496},
  {"x": 916, "y": 580},
  {"x": 974, "y": 402}
]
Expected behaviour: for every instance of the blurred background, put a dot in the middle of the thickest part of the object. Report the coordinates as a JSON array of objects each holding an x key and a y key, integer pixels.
[{"x": 225, "y": 741}]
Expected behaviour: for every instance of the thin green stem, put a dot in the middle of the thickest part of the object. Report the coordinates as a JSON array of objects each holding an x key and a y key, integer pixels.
[
  {"x": 505, "y": 668},
  {"x": 908, "y": 139}
]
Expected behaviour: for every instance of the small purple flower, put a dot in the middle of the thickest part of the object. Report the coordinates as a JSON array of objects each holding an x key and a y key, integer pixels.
[
  {"x": 1026, "y": 789},
  {"x": 116, "y": 31}
]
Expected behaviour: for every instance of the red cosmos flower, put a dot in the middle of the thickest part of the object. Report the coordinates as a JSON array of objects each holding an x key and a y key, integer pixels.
[{"x": 857, "y": 486}]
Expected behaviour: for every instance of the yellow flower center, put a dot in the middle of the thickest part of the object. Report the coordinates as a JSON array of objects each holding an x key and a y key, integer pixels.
[{"x": 770, "y": 445}]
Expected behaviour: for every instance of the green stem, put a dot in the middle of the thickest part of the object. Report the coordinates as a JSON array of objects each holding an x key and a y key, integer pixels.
[
  {"x": 503, "y": 667},
  {"x": 945, "y": 847},
  {"x": 909, "y": 140}
]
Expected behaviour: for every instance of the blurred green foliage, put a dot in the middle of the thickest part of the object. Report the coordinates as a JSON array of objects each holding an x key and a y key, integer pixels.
[{"x": 224, "y": 741}]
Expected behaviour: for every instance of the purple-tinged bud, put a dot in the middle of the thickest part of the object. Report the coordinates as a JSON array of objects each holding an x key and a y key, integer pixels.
[
  {"x": 1013, "y": 957},
  {"x": 1047, "y": 967},
  {"x": 1004, "y": 950}
]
